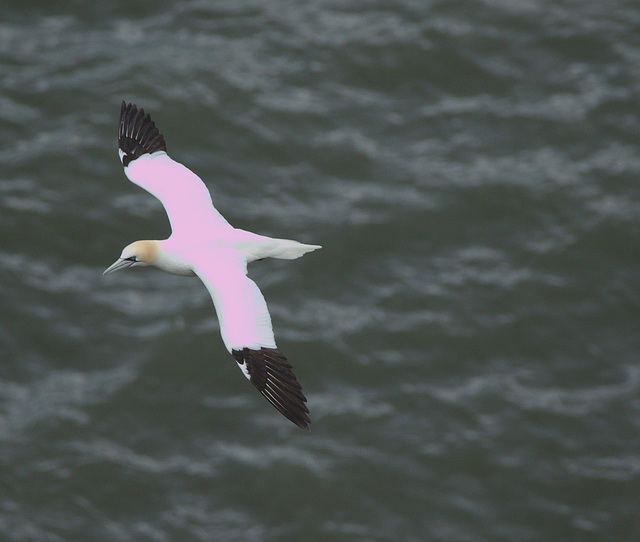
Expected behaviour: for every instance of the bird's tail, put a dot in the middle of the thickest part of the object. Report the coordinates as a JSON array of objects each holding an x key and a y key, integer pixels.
[{"x": 287, "y": 249}]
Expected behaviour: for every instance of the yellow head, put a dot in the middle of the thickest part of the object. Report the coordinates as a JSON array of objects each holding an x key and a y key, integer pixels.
[{"x": 137, "y": 253}]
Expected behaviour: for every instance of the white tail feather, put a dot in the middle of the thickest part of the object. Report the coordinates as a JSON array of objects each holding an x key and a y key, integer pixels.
[
  {"x": 257, "y": 247},
  {"x": 287, "y": 249}
]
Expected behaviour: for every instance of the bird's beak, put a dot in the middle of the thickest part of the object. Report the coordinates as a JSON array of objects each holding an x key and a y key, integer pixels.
[{"x": 121, "y": 263}]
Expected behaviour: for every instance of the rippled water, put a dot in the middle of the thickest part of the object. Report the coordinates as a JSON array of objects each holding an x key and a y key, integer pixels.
[{"x": 467, "y": 338}]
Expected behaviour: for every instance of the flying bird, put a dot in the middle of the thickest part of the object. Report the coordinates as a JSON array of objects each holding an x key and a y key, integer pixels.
[{"x": 203, "y": 244}]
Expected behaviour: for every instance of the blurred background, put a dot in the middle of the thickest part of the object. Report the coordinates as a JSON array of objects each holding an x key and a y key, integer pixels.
[{"x": 467, "y": 338}]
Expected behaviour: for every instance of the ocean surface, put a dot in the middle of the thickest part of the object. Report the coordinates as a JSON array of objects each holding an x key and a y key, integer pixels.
[{"x": 468, "y": 338}]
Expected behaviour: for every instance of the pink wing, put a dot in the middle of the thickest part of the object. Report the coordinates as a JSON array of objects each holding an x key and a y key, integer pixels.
[
  {"x": 245, "y": 326},
  {"x": 185, "y": 197}
]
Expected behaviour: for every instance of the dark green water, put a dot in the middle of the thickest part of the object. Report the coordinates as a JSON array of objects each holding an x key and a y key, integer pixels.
[{"x": 467, "y": 338}]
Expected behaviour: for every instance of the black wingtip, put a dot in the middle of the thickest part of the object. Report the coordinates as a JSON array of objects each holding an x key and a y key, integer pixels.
[
  {"x": 272, "y": 375},
  {"x": 137, "y": 134}
]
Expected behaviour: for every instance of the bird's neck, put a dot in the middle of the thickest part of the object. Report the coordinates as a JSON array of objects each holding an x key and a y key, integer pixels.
[{"x": 170, "y": 260}]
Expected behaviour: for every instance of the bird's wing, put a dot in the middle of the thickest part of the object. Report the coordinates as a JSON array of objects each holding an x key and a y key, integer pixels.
[
  {"x": 245, "y": 326},
  {"x": 144, "y": 156}
]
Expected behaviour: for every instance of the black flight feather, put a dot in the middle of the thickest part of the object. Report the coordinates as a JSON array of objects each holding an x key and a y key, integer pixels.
[
  {"x": 137, "y": 134},
  {"x": 271, "y": 373}
]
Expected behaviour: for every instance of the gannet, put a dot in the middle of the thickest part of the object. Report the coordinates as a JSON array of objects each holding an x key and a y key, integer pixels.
[{"x": 203, "y": 244}]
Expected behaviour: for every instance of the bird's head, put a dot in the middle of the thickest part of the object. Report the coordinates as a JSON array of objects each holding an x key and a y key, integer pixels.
[{"x": 137, "y": 253}]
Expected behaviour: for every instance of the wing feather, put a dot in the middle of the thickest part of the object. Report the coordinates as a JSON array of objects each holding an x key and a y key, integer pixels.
[
  {"x": 245, "y": 326},
  {"x": 184, "y": 196}
]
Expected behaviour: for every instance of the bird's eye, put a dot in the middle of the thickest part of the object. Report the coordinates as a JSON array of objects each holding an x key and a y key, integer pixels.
[{"x": 131, "y": 259}]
